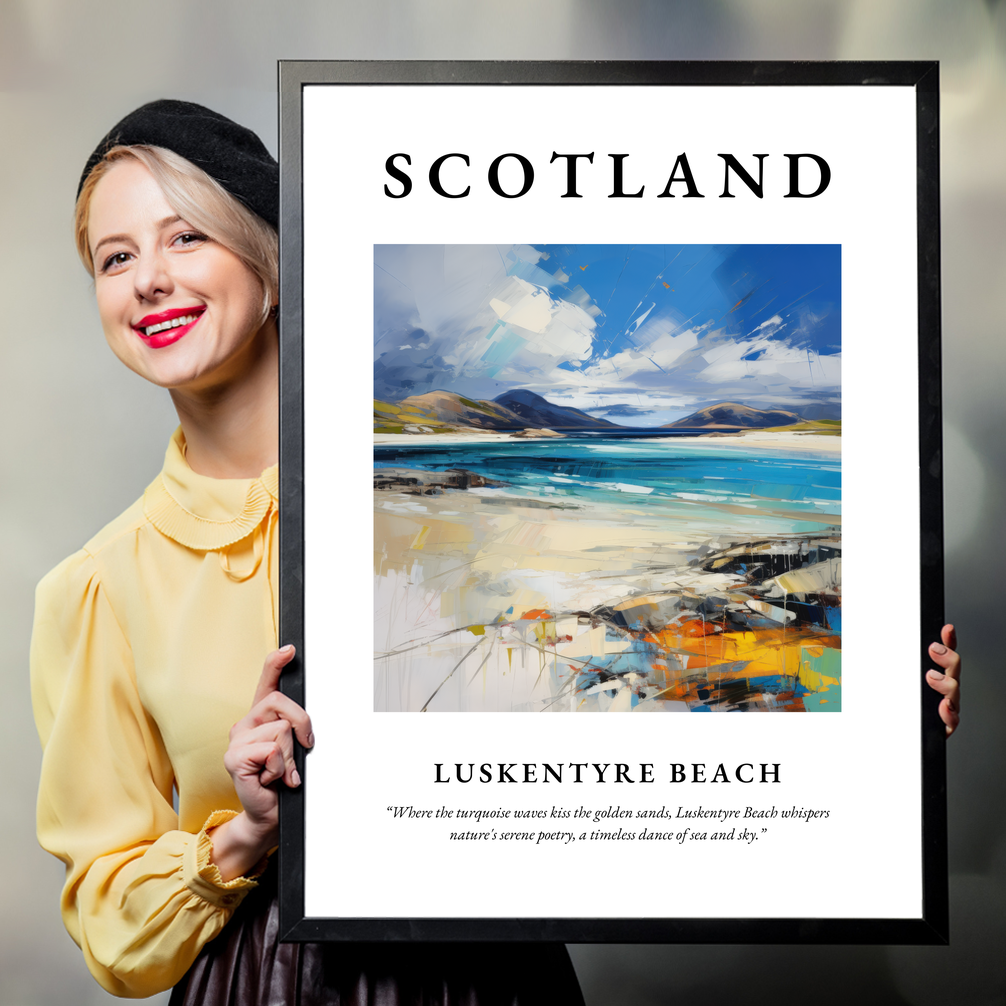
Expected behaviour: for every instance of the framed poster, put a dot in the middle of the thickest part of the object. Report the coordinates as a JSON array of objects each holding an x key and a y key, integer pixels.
[{"x": 653, "y": 426}]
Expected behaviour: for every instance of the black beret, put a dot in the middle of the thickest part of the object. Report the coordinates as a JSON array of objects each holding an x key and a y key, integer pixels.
[{"x": 230, "y": 154}]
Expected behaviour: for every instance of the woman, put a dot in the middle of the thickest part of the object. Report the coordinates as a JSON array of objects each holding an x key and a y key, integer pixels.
[{"x": 148, "y": 643}]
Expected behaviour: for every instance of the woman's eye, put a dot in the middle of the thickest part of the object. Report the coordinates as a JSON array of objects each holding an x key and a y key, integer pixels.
[
  {"x": 114, "y": 261},
  {"x": 190, "y": 238}
]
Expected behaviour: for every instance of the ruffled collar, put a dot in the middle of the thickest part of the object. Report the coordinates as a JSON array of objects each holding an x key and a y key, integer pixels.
[{"x": 203, "y": 513}]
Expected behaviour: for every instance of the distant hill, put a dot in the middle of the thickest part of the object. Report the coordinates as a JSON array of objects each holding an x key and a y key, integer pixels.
[
  {"x": 444, "y": 409},
  {"x": 455, "y": 409},
  {"x": 821, "y": 412},
  {"x": 512, "y": 411},
  {"x": 536, "y": 411},
  {"x": 824, "y": 427},
  {"x": 731, "y": 416}
]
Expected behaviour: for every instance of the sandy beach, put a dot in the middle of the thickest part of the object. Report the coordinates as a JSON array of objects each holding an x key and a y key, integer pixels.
[
  {"x": 769, "y": 439},
  {"x": 488, "y": 600}
]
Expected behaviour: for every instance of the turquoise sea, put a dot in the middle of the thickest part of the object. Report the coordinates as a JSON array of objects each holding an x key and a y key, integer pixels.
[{"x": 762, "y": 490}]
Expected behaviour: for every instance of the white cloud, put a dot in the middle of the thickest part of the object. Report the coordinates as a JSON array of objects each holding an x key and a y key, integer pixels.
[
  {"x": 772, "y": 325},
  {"x": 677, "y": 368},
  {"x": 484, "y": 313}
]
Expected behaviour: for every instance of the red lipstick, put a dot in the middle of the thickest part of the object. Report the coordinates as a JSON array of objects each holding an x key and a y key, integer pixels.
[{"x": 166, "y": 327}]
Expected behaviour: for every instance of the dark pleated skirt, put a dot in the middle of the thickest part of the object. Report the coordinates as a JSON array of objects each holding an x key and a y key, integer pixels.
[{"x": 246, "y": 965}]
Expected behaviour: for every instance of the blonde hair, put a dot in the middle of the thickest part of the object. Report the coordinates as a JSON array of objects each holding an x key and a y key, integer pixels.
[{"x": 199, "y": 200}]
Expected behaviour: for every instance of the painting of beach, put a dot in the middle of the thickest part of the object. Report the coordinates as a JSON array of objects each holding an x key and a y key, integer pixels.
[{"x": 607, "y": 478}]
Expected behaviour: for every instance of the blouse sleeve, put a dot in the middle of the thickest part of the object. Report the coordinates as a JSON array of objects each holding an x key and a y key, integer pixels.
[{"x": 141, "y": 898}]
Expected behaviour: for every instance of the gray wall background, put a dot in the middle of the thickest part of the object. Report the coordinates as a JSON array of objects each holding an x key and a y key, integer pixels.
[{"x": 82, "y": 436}]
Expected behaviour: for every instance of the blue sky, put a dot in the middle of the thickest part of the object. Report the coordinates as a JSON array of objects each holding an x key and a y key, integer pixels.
[{"x": 641, "y": 334}]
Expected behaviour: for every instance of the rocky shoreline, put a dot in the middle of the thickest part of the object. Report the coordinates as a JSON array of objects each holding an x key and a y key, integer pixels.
[{"x": 422, "y": 482}]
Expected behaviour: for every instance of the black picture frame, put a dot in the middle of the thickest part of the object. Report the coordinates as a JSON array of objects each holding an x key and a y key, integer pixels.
[{"x": 932, "y": 925}]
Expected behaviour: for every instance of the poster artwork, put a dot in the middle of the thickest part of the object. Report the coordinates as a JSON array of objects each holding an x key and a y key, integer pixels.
[
  {"x": 607, "y": 478},
  {"x": 639, "y": 433}
]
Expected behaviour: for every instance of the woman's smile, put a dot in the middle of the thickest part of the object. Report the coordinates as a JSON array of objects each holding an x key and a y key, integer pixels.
[{"x": 166, "y": 327}]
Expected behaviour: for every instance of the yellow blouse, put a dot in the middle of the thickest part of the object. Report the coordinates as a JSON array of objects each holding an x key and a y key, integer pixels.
[{"x": 147, "y": 647}]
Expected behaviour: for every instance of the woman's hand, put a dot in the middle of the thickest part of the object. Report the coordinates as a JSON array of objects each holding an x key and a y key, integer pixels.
[
  {"x": 947, "y": 682},
  {"x": 260, "y": 753}
]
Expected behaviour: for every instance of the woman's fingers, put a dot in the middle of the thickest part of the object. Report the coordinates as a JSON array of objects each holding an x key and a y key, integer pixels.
[
  {"x": 271, "y": 670},
  {"x": 277, "y": 706},
  {"x": 277, "y": 735},
  {"x": 274, "y": 766},
  {"x": 949, "y": 660},
  {"x": 270, "y": 703},
  {"x": 946, "y": 681},
  {"x": 946, "y": 656},
  {"x": 944, "y": 684},
  {"x": 949, "y": 710},
  {"x": 950, "y": 716},
  {"x": 261, "y": 749},
  {"x": 949, "y": 636},
  {"x": 259, "y": 760}
]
